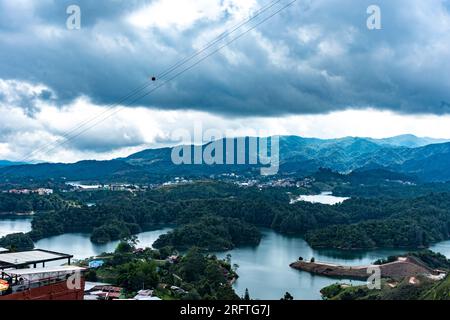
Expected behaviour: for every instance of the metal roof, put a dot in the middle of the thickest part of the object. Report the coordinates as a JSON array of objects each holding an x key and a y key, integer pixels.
[
  {"x": 3, "y": 250},
  {"x": 25, "y": 258},
  {"x": 65, "y": 269}
]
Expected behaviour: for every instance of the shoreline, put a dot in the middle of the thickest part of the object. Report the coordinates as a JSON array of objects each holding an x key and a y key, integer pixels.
[{"x": 402, "y": 268}]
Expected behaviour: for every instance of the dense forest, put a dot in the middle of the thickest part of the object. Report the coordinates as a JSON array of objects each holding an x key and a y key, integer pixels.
[
  {"x": 357, "y": 223},
  {"x": 24, "y": 203},
  {"x": 193, "y": 276},
  {"x": 17, "y": 242},
  {"x": 416, "y": 222},
  {"x": 211, "y": 233}
]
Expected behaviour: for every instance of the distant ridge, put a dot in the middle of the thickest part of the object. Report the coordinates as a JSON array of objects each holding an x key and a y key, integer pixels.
[
  {"x": 6, "y": 163},
  {"x": 299, "y": 156},
  {"x": 409, "y": 140}
]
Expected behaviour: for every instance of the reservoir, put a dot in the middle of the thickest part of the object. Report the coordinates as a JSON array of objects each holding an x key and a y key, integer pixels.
[
  {"x": 323, "y": 198},
  {"x": 263, "y": 269},
  {"x": 81, "y": 247},
  {"x": 14, "y": 225}
]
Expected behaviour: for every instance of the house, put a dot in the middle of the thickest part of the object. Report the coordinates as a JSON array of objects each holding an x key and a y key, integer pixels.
[
  {"x": 178, "y": 290},
  {"x": 94, "y": 264},
  {"x": 103, "y": 292},
  {"x": 43, "y": 191},
  {"x": 173, "y": 259},
  {"x": 146, "y": 295}
]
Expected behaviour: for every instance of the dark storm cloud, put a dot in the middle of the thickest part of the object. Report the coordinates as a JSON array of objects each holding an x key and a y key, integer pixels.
[{"x": 315, "y": 57}]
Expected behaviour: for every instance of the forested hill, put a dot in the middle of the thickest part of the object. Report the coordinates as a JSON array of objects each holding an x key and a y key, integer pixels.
[
  {"x": 356, "y": 223},
  {"x": 298, "y": 156}
]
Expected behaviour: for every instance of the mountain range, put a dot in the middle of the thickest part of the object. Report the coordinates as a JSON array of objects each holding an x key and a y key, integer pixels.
[
  {"x": 426, "y": 159},
  {"x": 6, "y": 163}
]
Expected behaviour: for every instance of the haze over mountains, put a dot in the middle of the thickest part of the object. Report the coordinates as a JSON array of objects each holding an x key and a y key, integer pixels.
[
  {"x": 6, "y": 163},
  {"x": 423, "y": 158}
]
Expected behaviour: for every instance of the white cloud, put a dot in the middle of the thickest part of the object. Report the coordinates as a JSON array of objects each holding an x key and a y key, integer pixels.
[
  {"x": 183, "y": 14},
  {"x": 308, "y": 33},
  {"x": 179, "y": 14},
  {"x": 134, "y": 129},
  {"x": 316, "y": 60}
]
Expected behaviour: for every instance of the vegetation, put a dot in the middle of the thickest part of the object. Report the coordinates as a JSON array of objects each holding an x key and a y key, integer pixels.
[
  {"x": 357, "y": 223},
  {"x": 433, "y": 260},
  {"x": 216, "y": 215},
  {"x": 24, "y": 203},
  {"x": 211, "y": 233},
  {"x": 193, "y": 276},
  {"x": 440, "y": 291},
  {"x": 17, "y": 242},
  {"x": 422, "y": 288},
  {"x": 114, "y": 230},
  {"x": 287, "y": 297}
]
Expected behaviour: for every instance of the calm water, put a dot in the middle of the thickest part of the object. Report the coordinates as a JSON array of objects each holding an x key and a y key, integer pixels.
[
  {"x": 264, "y": 269},
  {"x": 442, "y": 247},
  {"x": 16, "y": 225},
  {"x": 324, "y": 198},
  {"x": 81, "y": 247}
]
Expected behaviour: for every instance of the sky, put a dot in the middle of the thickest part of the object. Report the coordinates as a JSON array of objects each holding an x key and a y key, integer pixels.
[{"x": 314, "y": 69}]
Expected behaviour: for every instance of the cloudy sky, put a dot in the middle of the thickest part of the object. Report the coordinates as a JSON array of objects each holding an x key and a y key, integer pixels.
[{"x": 313, "y": 69}]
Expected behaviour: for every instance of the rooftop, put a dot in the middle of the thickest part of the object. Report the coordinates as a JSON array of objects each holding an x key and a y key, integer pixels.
[
  {"x": 44, "y": 271},
  {"x": 2, "y": 250},
  {"x": 33, "y": 257}
]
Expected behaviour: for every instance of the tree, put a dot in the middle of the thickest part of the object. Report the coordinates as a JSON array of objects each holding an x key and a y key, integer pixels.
[
  {"x": 214, "y": 274},
  {"x": 91, "y": 275},
  {"x": 246, "y": 295},
  {"x": 226, "y": 292},
  {"x": 165, "y": 252},
  {"x": 131, "y": 240},
  {"x": 287, "y": 297},
  {"x": 313, "y": 260},
  {"x": 17, "y": 242},
  {"x": 193, "y": 265},
  {"x": 138, "y": 275},
  {"x": 192, "y": 295},
  {"x": 124, "y": 247}
]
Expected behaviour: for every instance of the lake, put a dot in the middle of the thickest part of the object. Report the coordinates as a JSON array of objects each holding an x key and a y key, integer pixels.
[
  {"x": 324, "y": 198},
  {"x": 81, "y": 247},
  {"x": 264, "y": 269},
  {"x": 14, "y": 225}
]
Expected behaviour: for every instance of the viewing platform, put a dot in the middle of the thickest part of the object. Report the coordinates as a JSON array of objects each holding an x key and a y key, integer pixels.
[{"x": 25, "y": 276}]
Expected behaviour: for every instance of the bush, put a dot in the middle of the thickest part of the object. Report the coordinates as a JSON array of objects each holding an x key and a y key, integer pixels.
[{"x": 17, "y": 242}]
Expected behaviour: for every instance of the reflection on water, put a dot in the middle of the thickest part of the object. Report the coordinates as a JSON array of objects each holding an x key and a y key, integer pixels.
[
  {"x": 358, "y": 257},
  {"x": 81, "y": 247},
  {"x": 442, "y": 247},
  {"x": 264, "y": 269},
  {"x": 14, "y": 225},
  {"x": 323, "y": 198}
]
